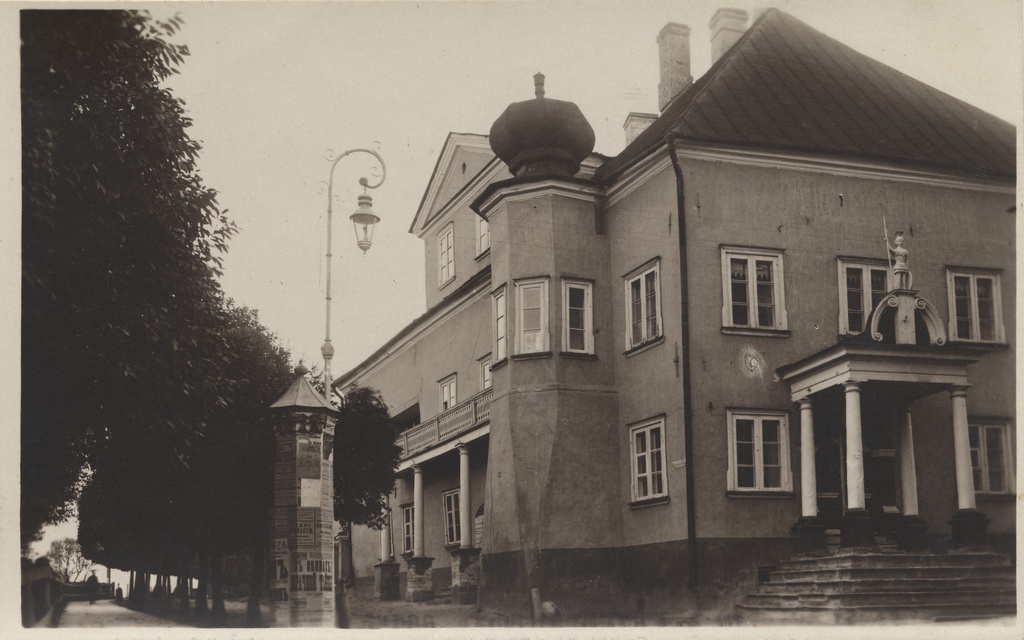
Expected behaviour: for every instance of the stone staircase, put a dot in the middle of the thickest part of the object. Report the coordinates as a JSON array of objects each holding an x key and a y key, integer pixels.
[{"x": 851, "y": 587}]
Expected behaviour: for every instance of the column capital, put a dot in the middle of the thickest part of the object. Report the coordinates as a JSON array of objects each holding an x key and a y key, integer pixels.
[
  {"x": 463, "y": 448},
  {"x": 417, "y": 468},
  {"x": 805, "y": 402},
  {"x": 959, "y": 390},
  {"x": 852, "y": 385}
]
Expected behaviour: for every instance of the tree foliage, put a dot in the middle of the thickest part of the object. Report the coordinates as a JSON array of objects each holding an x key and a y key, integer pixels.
[
  {"x": 148, "y": 511},
  {"x": 121, "y": 246},
  {"x": 66, "y": 559},
  {"x": 365, "y": 458}
]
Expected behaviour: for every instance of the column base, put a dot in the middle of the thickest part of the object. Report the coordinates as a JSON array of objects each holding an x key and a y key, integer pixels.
[
  {"x": 465, "y": 575},
  {"x": 385, "y": 580},
  {"x": 910, "y": 534},
  {"x": 809, "y": 534},
  {"x": 857, "y": 529},
  {"x": 419, "y": 583},
  {"x": 970, "y": 529}
]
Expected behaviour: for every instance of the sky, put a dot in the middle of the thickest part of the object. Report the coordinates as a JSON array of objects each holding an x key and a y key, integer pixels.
[{"x": 271, "y": 87}]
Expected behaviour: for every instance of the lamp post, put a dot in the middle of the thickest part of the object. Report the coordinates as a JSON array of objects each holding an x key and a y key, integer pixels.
[{"x": 363, "y": 220}]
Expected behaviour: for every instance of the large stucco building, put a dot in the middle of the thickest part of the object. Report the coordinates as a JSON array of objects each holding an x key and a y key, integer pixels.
[{"x": 640, "y": 378}]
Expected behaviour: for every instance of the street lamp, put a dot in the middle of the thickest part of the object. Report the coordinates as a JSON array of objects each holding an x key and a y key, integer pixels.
[{"x": 363, "y": 220}]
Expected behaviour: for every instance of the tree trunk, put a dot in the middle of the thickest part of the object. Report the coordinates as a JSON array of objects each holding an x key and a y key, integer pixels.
[
  {"x": 131, "y": 587},
  {"x": 256, "y": 581},
  {"x": 217, "y": 584},
  {"x": 201, "y": 590}
]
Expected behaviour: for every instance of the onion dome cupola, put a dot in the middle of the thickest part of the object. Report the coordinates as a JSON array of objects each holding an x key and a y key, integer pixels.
[{"x": 542, "y": 136}]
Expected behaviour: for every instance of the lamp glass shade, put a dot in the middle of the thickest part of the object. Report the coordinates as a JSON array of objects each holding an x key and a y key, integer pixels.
[{"x": 363, "y": 221}]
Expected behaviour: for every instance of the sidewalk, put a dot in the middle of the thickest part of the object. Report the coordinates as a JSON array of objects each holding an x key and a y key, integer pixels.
[{"x": 107, "y": 613}]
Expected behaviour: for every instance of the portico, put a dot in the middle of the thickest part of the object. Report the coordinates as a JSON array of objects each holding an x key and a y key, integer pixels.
[{"x": 856, "y": 428}]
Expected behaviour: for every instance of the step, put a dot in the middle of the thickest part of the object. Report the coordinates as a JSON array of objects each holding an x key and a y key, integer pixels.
[
  {"x": 979, "y": 597},
  {"x": 889, "y": 573},
  {"x": 858, "y": 560},
  {"x": 889, "y": 585},
  {"x": 873, "y": 615}
]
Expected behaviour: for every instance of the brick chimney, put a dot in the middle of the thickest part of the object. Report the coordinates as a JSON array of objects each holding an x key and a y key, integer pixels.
[
  {"x": 674, "y": 60},
  {"x": 727, "y": 25},
  {"x": 636, "y": 123}
]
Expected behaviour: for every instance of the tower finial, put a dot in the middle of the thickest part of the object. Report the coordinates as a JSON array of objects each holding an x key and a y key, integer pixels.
[{"x": 538, "y": 84}]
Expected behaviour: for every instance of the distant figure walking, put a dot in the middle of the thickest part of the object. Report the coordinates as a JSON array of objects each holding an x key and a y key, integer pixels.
[{"x": 92, "y": 584}]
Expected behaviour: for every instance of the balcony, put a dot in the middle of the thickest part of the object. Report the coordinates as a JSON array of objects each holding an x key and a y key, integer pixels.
[{"x": 447, "y": 425}]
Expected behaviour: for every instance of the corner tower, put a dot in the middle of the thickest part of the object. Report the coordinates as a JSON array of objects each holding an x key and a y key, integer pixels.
[{"x": 553, "y": 445}]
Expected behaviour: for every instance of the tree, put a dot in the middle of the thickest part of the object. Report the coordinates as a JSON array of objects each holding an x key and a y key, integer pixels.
[
  {"x": 121, "y": 246},
  {"x": 67, "y": 561},
  {"x": 365, "y": 458},
  {"x": 148, "y": 512}
]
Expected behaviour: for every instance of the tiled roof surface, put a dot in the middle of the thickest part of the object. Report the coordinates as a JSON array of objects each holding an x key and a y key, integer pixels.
[{"x": 788, "y": 87}]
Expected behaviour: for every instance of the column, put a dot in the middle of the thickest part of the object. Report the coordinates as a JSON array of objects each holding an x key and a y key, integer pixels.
[
  {"x": 970, "y": 526},
  {"x": 465, "y": 559},
  {"x": 857, "y": 528},
  {"x": 910, "y": 533},
  {"x": 854, "y": 448},
  {"x": 417, "y": 501},
  {"x": 808, "y": 473},
  {"x": 808, "y": 531},
  {"x": 419, "y": 584},
  {"x": 908, "y": 470},
  {"x": 385, "y": 572},
  {"x": 962, "y": 449},
  {"x": 465, "y": 510}
]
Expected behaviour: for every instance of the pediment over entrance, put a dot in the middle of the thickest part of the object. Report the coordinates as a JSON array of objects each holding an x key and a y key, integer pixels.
[
  {"x": 927, "y": 367},
  {"x": 904, "y": 317}
]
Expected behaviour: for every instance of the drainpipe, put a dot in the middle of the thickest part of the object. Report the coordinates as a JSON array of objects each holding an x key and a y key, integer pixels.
[{"x": 691, "y": 498}]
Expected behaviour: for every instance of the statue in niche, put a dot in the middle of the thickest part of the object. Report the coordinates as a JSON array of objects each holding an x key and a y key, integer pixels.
[{"x": 899, "y": 255}]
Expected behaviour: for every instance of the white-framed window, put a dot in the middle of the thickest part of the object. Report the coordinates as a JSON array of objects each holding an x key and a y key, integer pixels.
[
  {"x": 647, "y": 446},
  {"x": 643, "y": 305},
  {"x": 500, "y": 325},
  {"x": 759, "y": 451},
  {"x": 578, "y": 317},
  {"x": 447, "y": 388},
  {"x": 408, "y": 528},
  {"x": 483, "y": 235},
  {"x": 485, "y": 372},
  {"x": 532, "y": 315},
  {"x": 452, "y": 530},
  {"x": 446, "y": 254},
  {"x": 752, "y": 289},
  {"x": 991, "y": 457},
  {"x": 862, "y": 285},
  {"x": 975, "y": 305}
]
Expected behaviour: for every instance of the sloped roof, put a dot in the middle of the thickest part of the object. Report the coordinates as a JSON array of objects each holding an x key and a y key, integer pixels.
[
  {"x": 301, "y": 396},
  {"x": 786, "y": 86}
]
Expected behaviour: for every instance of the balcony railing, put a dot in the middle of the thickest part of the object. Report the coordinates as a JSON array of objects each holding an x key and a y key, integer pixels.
[{"x": 446, "y": 425}]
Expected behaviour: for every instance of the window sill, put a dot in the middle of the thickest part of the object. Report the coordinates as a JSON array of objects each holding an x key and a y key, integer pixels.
[
  {"x": 499, "y": 364},
  {"x": 530, "y": 356},
  {"x": 483, "y": 254},
  {"x": 650, "y": 344},
  {"x": 648, "y": 502},
  {"x": 760, "y": 494},
  {"x": 407, "y": 554},
  {"x": 578, "y": 355},
  {"x": 446, "y": 283},
  {"x": 995, "y": 497},
  {"x": 452, "y": 546},
  {"x": 751, "y": 331}
]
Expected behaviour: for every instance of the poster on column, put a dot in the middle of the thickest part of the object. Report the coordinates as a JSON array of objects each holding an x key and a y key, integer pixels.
[
  {"x": 307, "y": 459},
  {"x": 327, "y": 488},
  {"x": 312, "y": 575},
  {"x": 279, "y": 570},
  {"x": 302, "y": 530}
]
